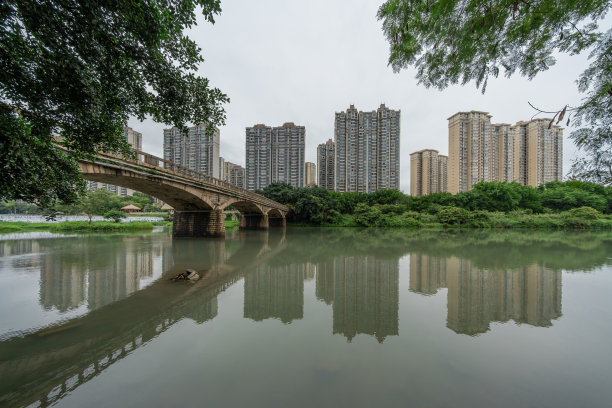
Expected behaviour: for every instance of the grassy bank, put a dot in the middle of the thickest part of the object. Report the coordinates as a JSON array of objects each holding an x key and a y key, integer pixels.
[
  {"x": 84, "y": 226},
  {"x": 389, "y": 216}
]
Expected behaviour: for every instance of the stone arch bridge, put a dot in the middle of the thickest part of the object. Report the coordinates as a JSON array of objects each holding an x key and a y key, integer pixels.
[{"x": 199, "y": 200}]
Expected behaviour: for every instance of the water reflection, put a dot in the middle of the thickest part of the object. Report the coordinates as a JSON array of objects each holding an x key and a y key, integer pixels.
[
  {"x": 494, "y": 277},
  {"x": 364, "y": 295},
  {"x": 274, "y": 292}
]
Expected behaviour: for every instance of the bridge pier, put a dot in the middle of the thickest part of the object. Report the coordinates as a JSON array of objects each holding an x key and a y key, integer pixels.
[
  {"x": 204, "y": 223},
  {"x": 254, "y": 221}
]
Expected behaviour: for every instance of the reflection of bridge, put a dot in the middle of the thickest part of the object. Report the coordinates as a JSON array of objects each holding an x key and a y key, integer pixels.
[
  {"x": 198, "y": 199},
  {"x": 61, "y": 358}
]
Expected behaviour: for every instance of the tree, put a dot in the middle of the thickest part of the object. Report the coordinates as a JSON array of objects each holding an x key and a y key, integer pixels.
[
  {"x": 96, "y": 203},
  {"x": 114, "y": 215},
  {"x": 457, "y": 41},
  {"x": 79, "y": 69}
]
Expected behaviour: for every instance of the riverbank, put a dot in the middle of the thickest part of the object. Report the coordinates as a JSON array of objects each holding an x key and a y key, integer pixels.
[
  {"x": 584, "y": 218},
  {"x": 84, "y": 226}
]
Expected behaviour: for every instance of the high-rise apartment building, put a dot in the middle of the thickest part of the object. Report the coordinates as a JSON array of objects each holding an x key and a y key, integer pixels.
[
  {"x": 134, "y": 139},
  {"x": 540, "y": 159},
  {"x": 274, "y": 155},
  {"x": 504, "y": 152},
  {"x": 232, "y": 173},
  {"x": 310, "y": 172},
  {"x": 196, "y": 149},
  {"x": 428, "y": 172},
  {"x": 222, "y": 172},
  {"x": 258, "y": 156},
  {"x": 442, "y": 173},
  {"x": 528, "y": 152},
  {"x": 469, "y": 150},
  {"x": 367, "y": 150},
  {"x": 326, "y": 158},
  {"x": 237, "y": 176}
]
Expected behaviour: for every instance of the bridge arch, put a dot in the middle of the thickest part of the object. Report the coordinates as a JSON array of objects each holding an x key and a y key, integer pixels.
[
  {"x": 181, "y": 198},
  {"x": 276, "y": 218}
]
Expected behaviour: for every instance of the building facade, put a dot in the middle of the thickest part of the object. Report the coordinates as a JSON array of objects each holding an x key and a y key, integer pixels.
[
  {"x": 196, "y": 149},
  {"x": 134, "y": 139},
  {"x": 544, "y": 152},
  {"x": 469, "y": 150},
  {"x": 274, "y": 155},
  {"x": 528, "y": 152},
  {"x": 504, "y": 141},
  {"x": 236, "y": 175},
  {"x": 428, "y": 172},
  {"x": 232, "y": 173},
  {"x": 326, "y": 158},
  {"x": 367, "y": 150},
  {"x": 310, "y": 171}
]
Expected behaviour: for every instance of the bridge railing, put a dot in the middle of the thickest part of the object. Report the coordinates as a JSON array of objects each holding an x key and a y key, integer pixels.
[{"x": 143, "y": 157}]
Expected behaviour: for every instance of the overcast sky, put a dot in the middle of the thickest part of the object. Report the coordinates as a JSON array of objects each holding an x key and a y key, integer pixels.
[{"x": 300, "y": 61}]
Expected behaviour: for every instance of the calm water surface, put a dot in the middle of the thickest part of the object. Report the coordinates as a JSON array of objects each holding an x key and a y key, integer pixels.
[{"x": 304, "y": 318}]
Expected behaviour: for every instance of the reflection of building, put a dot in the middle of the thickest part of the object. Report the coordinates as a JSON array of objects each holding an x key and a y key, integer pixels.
[
  {"x": 309, "y": 271},
  {"x": 427, "y": 274},
  {"x": 275, "y": 292},
  {"x": 61, "y": 285},
  {"x": 477, "y": 297},
  {"x": 119, "y": 276},
  {"x": 364, "y": 294}
]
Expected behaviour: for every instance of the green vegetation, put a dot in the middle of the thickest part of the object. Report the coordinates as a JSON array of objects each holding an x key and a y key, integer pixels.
[
  {"x": 92, "y": 203},
  {"x": 79, "y": 70},
  {"x": 75, "y": 226},
  {"x": 100, "y": 226},
  {"x": 114, "y": 215},
  {"x": 83, "y": 226},
  {"x": 555, "y": 205}
]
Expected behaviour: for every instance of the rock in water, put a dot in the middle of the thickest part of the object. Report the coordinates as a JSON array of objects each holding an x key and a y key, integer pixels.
[{"x": 192, "y": 275}]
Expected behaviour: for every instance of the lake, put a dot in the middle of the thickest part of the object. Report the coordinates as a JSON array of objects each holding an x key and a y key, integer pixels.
[{"x": 307, "y": 318}]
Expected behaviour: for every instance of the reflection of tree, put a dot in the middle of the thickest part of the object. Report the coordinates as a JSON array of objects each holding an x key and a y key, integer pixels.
[
  {"x": 486, "y": 249},
  {"x": 364, "y": 294}
]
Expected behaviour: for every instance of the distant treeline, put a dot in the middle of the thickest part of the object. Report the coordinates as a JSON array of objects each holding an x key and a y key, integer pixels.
[
  {"x": 104, "y": 201},
  {"x": 570, "y": 204}
]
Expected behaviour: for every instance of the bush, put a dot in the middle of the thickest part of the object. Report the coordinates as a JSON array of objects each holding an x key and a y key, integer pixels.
[
  {"x": 587, "y": 213},
  {"x": 453, "y": 215},
  {"x": 114, "y": 215}
]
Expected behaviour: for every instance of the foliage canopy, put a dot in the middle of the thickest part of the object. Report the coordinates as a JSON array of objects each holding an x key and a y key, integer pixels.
[{"x": 79, "y": 69}]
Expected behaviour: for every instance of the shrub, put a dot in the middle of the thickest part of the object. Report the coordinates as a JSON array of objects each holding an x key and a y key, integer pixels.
[
  {"x": 114, "y": 215},
  {"x": 453, "y": 215},
  {"x": 587, "y": 213}
]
